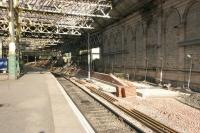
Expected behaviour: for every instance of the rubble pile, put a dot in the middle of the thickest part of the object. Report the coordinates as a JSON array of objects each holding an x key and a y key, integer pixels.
[
  {"x": 41, "y": 64},
  {"x": 66, "y": 70},
  {"x": 123, "y": 89}
]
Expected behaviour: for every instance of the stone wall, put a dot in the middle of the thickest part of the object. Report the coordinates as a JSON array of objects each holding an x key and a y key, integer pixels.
[{"x": 147, "y": 42}]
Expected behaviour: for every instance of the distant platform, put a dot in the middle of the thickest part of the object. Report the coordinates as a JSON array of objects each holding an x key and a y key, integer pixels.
[
  {"x": 3, "y": 76},
  {"x": 36, "y": 104}
]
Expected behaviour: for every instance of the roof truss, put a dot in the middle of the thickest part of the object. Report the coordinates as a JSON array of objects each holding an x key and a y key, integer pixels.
[{"x": 55, "y": 17}]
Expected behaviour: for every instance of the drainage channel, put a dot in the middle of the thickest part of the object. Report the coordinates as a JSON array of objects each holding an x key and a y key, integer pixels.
[{"x": 101, "y": 118}]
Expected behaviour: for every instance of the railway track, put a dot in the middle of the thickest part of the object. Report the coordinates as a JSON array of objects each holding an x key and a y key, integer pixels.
[
  {"x": 101, "y": 118},
  {"x": 151, "y": 123},
  {"x": 146, "y": 120}
]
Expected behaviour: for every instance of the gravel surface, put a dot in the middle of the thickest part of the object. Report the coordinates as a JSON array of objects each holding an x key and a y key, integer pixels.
[
  {"x": 191, "y": 100},
  {"x": 168, "y": 111}
]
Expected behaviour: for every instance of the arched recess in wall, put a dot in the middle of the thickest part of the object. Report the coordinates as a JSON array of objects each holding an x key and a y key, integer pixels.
[
  {"x": 111, "y": 42},
  {"x": 172, "y": 20},
  {"x": 117, "y": 44},
  {"x": 140, "y": 47},
  {"x": 130, "y": 45},
  {"x": 152, "y": 40},
  {"x": 105, "y": 49},
  {"x": 114, "y": 48},
  {"x": 105, "y": 42},
  {"x": 126, "y": 46},
  {"x": 192, "y": 21},
  {"x": 192, "y": 34},
  {"x": 117, "y": 40}
]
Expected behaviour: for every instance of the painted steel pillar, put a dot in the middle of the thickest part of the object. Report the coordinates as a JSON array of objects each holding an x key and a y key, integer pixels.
[
  {"x": 18, "y": 55},
  {"x": 12, "y": 46},
  {"x": 1, "y": 47}
]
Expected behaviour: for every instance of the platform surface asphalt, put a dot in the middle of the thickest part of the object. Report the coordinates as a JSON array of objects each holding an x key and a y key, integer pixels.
[{"x": 35, "y": 104}]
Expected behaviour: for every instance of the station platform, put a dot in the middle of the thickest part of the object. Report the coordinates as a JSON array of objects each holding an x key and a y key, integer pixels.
[{"x": 36, "y": 104}]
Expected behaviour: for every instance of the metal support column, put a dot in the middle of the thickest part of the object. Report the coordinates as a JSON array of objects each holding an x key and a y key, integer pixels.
[
  {"x": 89, "y": 58},
  {"x": 18, "y": 58},
  {"x": 12, "y": 46},
  {"x": 1, "y": 47},
  {"x": 35, "y": 59},
  {"x": 27, "y": 59}
]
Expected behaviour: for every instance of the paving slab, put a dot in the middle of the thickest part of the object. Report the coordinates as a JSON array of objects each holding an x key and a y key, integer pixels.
[
  {"x": 146, "y": 90},
  {"x": 156, "y": 93}
]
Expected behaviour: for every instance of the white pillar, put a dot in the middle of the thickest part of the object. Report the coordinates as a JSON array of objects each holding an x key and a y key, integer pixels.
[{"x": 89, "y": 58}]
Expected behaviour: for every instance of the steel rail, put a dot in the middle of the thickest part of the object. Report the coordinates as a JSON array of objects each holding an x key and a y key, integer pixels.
[
  {"x": 94, "y": 112},
  {"x": 143, "y": 118}
]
